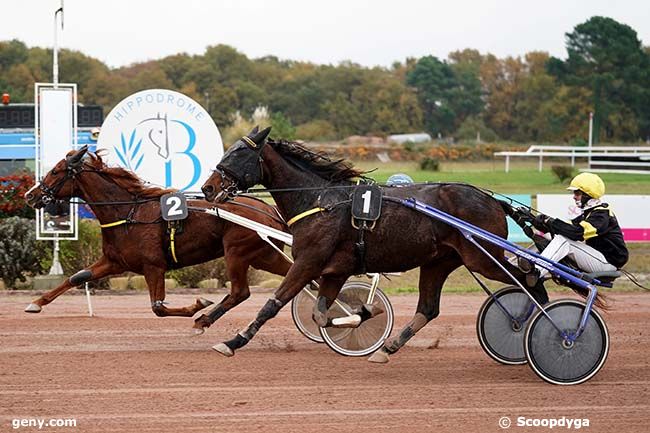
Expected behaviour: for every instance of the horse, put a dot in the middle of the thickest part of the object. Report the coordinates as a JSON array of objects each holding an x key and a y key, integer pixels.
[
  {"x": 136, "y": 239},
  {"x": 312, "y": 192}
]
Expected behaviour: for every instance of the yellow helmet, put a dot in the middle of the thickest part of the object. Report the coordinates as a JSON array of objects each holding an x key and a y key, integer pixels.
[{"x": 588, "y": 183}]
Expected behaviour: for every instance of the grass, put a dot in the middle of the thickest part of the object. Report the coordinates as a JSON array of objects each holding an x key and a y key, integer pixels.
[{"x": 522, "y": 178}]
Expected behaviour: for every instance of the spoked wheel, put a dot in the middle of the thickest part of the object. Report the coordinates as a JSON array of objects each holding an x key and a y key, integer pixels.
[
  {"x": 302, "y": 308},
  {"x": 371, "y": 333},
  {"x": 501, "y": 337},
  {"x": 555, "y": 358}
]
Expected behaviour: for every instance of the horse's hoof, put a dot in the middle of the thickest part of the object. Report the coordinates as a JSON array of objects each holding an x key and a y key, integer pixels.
[
  {"x": 379, "y": 357},
  {"x": 205, "y": 302},
  {"x": 33, "y": 308},
  {"x": 223, "y": 349},
  {"x": 195, "y": 332}
]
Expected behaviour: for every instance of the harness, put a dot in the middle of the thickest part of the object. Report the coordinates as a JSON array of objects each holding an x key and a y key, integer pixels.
[
  {"x": 174, "y": 228},
  {"x": 365, "y": 208},
  {"x": 74, "y": 168},
  {"x": 305, "y": 214}
]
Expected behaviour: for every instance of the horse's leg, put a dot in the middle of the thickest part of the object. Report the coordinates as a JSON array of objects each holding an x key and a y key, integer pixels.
[
  {"x": 329, "y": 289},
  {"x": 155, "y": 278},
  {"x": 432, "y": 278},
  {"x": 298, "y": 276},
  {"x": 237, "y": 269},
  {"x": 477, "y": 261},
  {"x": 100, "y": 269}
]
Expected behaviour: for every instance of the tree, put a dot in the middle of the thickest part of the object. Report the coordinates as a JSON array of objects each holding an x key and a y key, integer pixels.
[
  {"x": 447, "y": 93},
  {"x": 12, "y": 53},
  {"x": 176, "y": 68},
  {"x": 472, "y": 127},
  {"x": 282, "y": 127},
  {"x": 606, "y": 57}
]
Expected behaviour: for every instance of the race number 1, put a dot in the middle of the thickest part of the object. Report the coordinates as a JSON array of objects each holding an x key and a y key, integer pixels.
[
  {"x": 366, "y": 202},
  {"x": 173, "y": 206}
]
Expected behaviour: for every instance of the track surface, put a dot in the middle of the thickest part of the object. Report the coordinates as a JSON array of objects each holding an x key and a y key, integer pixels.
[{"x": 126, "y": 370}]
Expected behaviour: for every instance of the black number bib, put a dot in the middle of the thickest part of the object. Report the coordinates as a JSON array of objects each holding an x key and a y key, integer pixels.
[
  {"x": 366, "y": 203},
  {"x": 173, "y": 206}
]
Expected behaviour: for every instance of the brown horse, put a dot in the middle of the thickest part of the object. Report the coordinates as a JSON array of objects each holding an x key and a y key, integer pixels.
[
  {"x": 313, "y": 192},
  {"x": 141, "y": 244}
]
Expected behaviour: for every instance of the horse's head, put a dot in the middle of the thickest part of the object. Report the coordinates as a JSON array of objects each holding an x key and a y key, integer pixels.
[
  {"x": 58, "y": 183},
  {"x": 239, "y": 169},
  {"x": 158, "y": 134}
]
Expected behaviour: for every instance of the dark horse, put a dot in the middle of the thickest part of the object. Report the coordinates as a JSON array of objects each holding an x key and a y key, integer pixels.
[
  {"x": 324, "y": 239},
  {"x": 139, "y": 241}
]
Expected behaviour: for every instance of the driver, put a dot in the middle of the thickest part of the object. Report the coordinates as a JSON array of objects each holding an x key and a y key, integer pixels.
[{"x": 593, "y": 240}]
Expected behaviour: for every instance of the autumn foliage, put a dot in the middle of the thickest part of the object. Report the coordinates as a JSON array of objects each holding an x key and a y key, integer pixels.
[{"x": 12, "y": 192}]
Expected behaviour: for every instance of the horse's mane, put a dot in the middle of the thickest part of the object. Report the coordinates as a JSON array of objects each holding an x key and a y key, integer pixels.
[
  {"x": 125, "y": 179},
  {"x": 318, "y": 163}
]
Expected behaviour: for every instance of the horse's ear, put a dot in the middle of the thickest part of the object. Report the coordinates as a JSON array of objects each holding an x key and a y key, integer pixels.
[
  {"x": 254, "y": 131},
  {"x": 75, "y": 158},
  {"x": 260, "y": 137}
]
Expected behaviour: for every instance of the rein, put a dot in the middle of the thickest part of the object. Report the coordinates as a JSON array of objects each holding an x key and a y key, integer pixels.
[
  {"x": 277, "y": 218},
  {"x": 72, "y": 173}
]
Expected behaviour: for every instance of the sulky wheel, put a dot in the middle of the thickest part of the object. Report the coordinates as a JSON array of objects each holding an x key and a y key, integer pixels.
[
  {"x": 501, "y": 337},
  {"x": 558, "y": 360},
  {"x": 371, "y": 333},
  {"x": 302, "y": 308}
]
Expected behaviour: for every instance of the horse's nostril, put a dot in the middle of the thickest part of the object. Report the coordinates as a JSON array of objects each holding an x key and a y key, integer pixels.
[
  {"x": 207, "y": 189},
  {"x": 29, "y": 196}
]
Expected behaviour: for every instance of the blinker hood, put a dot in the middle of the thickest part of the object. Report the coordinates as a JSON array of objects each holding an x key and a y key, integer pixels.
[{"x": 242, "y": 161}]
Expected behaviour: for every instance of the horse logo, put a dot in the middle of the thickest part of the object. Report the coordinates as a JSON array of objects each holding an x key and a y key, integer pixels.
[{"x": 164, "y": 137}]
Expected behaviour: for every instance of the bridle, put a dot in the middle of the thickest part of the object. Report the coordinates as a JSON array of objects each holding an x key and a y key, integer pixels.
[
  {"x": 71, "y": 172},
  {"x": 252, "y": 158},
  {"x": 229, "y": 191}
]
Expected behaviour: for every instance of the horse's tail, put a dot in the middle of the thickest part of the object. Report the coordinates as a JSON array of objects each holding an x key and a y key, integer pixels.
[
  {"x": 507, "y": 207},
  {"x": 600, "y": 301}
]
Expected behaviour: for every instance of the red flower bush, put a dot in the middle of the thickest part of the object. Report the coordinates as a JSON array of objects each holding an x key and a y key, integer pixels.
[{"x": 12, "y": 192}]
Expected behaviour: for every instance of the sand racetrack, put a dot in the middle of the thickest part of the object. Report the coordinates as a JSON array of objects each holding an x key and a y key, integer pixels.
[{"x": 126, "y": 370}]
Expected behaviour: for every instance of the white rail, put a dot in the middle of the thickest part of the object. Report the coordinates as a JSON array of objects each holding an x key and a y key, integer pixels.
[{"x": 573, "y": 152}]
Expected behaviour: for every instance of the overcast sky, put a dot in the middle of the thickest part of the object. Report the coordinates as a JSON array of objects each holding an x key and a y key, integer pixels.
[{"x": 369, "y": 32}]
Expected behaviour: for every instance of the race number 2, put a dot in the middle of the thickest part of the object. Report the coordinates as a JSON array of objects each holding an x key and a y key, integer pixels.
[{"x": 173, "y": 206}]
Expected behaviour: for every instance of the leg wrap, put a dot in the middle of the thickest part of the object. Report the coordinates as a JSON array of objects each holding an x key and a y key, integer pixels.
[
  {"x": 236, "y": 342},
  {"x": 251, "y": 330},
  {"x": 268, "y": 311},
  {"x": 418, "y": 322},
  {"x": 81, "y": 277},
  {"x": 321, "y": 304},
  {"x": 216, "y": 313},
  {"x": 400, "y": 340}
]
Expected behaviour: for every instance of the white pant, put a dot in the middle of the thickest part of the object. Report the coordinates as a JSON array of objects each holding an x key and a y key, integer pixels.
[{"x": 587, "y": 258}]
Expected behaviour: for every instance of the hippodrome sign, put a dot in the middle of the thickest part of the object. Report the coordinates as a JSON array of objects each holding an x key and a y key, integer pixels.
[{"x": 163, "y": 136}]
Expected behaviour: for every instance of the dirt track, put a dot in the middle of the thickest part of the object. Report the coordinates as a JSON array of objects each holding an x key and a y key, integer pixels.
[{"x": 126, "y": 370}]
